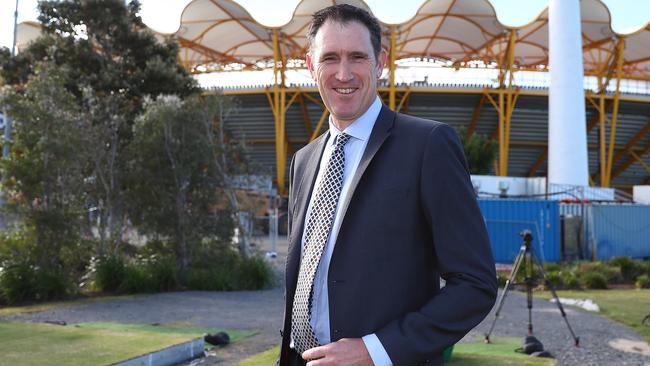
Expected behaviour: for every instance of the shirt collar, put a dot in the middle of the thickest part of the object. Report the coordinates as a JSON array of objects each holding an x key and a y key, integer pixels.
[{"x": 362, "y": 126}]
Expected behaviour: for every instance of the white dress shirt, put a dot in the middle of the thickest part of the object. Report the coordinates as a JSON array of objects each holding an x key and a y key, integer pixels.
[{"x": 359, "y": 131}]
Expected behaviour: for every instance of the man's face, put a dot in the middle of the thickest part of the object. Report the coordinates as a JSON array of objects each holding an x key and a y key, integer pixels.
[{"x": 343, "y": 64}]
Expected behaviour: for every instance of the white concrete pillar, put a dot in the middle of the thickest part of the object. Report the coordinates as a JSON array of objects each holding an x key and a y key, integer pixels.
[{"x": 567, "y": 130}]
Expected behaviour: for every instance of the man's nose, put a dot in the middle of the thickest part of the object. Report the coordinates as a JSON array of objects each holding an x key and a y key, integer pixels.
[{"x": 344, "y": 71}]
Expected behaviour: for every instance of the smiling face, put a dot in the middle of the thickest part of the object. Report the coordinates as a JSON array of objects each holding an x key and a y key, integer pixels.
[{"x": 343, "y": 64}]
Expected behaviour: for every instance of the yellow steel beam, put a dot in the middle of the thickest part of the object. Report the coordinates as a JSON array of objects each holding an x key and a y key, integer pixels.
[
  {"x": 391, "y": 68},
  {"x": 293, "y": 98},
  {"x": 402, "y": 101},
  {"x": 433, "y": 90},
  {"x": 632, "y": 142},
  {"x": 475, "y": 115},
  {"x": 612, "y": 128},
  {"x": 314, "y": 100},
  {"x": 638, "y": 158},
  {"x": 321, "y": 120},
  {"x": 601, "y": 139},
  {"x": 279, "y": 102},
  {"x": 271, "y": 100},
  {"x": 510, "y": 100},
  {"x": 305, "y": 115},
  {"x": 501, "y": 134},
  {"x": 540, "y": 159},
  {"x": 629, "y": 162}
]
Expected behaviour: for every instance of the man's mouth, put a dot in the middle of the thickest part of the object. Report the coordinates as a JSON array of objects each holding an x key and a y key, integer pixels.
[{"x": 345, "y": 90}]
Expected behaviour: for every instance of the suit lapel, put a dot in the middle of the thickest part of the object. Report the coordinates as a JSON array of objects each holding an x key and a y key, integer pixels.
[
  {"x": 379, "y": 133},
  {"x": 303, "y": 194}
]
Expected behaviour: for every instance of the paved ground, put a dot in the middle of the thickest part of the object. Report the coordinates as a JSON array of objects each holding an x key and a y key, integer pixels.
[{"x": 262, "y": 311}]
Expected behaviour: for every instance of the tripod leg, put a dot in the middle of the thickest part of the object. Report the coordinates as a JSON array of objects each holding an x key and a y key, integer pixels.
[
  {"x": 506, "y": 288},
  {"x": 548, "y": 283},
  {"x": 529, "y": 289}
]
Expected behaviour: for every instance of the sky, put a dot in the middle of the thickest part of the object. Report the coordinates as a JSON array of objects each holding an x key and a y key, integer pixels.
[{"x": 164, "y": 15}]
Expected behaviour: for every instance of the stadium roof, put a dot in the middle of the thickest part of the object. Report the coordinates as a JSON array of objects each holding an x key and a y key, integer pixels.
[{"x": 215, "y": 34}]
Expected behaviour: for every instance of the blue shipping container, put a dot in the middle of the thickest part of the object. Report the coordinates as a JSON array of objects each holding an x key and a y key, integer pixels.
[
  {"x": 506, "y": 218},
  {"x": 620, "y": 230}
]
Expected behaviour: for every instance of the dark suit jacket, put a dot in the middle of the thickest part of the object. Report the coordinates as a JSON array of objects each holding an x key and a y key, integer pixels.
[{"x": 410, "y": 217}]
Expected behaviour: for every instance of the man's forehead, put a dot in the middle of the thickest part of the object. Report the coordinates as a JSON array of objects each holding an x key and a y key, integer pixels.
[{"x": 352, "y": 28}]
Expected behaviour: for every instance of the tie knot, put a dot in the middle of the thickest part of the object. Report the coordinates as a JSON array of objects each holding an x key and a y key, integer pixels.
[{"x": 342, "y": 139}]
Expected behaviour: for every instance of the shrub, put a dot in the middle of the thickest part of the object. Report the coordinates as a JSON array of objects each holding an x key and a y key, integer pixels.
[
  {"x": 18, "y": 283},
  {"x": 630, "y": 269},
  {"x": 642, "y": 281},
  {"x": 594, "y": 280},
  {"x": 569, "y": 280},
  {"x": 163, "y": 274},
  {"x": 551, "y": 267},
  {"x": 209, "y": 279},
  {"x": 135, "y": 280},
  {"x": 51, "y": 285},
  {"x": 555, "y": 277},
  {"x": 254, "y": 274},
  {"x": 109, "y": 273},
  {"x": 502, "y": 277},
  {"x": 612, "y": 273}
]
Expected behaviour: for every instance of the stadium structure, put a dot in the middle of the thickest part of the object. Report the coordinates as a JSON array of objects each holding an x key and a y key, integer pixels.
[{"x": 453, "y": 61}]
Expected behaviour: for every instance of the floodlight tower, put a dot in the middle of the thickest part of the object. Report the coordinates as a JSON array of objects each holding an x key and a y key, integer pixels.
[{"x": 567, "y": 131}]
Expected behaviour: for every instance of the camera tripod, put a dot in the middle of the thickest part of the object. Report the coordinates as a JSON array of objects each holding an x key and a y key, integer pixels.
[{"x": 527, "y": 257}]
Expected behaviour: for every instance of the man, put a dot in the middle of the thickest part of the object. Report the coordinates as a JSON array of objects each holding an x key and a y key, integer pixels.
[{"x": 380, "y": 208}]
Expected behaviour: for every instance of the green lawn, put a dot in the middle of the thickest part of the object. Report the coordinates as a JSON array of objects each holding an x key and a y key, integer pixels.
[
  {"x": 499, "y": 353},
  {"x": 625, "y": 306},
  {"x": 89, "y": 344}
]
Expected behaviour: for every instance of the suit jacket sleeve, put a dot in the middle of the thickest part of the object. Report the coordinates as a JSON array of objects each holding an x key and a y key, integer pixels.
[{"x": 463, "y": 253}]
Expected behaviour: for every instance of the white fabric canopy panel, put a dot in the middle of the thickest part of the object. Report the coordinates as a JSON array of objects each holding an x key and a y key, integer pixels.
[{"x": 217, "y": 35}]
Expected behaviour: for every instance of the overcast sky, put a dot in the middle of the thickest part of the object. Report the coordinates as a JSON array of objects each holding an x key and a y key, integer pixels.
[{"x": 164, "y": 15}]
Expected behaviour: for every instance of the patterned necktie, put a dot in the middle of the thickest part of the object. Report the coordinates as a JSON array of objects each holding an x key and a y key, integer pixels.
[{"x": 319, "y": 226}]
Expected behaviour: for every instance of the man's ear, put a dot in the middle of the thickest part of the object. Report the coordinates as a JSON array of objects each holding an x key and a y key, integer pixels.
[
  {"x": 310, "y": 66},
  {"x": 381, "y": 62}
]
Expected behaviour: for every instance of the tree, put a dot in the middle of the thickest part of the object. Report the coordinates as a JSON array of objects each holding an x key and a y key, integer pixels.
[
  {"x": 179, "y": 188},
  {"x": 43, "y": 180},
  {"x": 110, "y": 63},
  {"x": 479, "y": 150}
]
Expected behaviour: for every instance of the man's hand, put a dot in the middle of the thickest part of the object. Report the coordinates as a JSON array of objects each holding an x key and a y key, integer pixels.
[{"x": 345, "y": 352}]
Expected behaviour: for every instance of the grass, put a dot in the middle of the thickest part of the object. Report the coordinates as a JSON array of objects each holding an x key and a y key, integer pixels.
[
  {"x": 89, "y": 344},
  {"x": 25, "y": 309},
  {"x": 499, "y": 353},
  {"x": 628, "y": 307}
]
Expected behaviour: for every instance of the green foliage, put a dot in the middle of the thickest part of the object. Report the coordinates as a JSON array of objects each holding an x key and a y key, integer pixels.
[
  {"x": 480, "y": 151},
  {"x": 178, "y": 168},
  {"x": 630, "y": 269},
  {"x": 569, "y": 279},
  {"x": 104, "y": 63},
  {"x": 22, "y": 278},
  {"x": 21, "y": 282},
  {"x": 109, "y": 273},
  {"x": 109, "y": 131},
  {"x": 643, "y": 281},
  {"x": 594, "y": 280},
  {"x": 18, "y": 283},
  {"x": 253, "y": 273},
  {"x": 136, "y": 279},
  {"x": 612, "y": 274},
  {"x": 230, "y": 272},
  {"x": 164, "y": 274}
]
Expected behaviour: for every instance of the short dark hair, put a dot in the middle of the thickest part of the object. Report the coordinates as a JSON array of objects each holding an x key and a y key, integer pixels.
[{"x": 344, "y": 13}]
